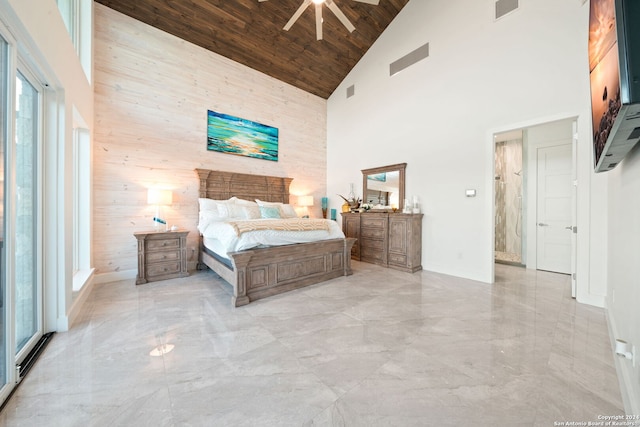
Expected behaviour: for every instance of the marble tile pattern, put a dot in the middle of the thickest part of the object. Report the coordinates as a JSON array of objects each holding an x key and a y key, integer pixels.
[{"x": 379, "y": 348}]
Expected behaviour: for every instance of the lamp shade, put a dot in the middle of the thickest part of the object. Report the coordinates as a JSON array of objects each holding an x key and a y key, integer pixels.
[
  {"x": 305, "y": 200},
  {"x": 159, "y": 197}
]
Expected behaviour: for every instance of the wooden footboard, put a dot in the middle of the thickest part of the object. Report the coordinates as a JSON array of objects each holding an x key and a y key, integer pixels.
[{"x": 259, "y": 273}]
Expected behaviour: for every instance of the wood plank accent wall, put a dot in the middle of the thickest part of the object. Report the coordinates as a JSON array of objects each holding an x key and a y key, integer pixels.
[{"x": 152, "y": 93}]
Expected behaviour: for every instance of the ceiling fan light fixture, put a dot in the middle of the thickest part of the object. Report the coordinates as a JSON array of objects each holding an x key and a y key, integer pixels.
[{"x": 332, "y": 6}]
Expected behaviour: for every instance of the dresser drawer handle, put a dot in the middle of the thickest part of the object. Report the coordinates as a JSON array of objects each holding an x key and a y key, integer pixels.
[{"x": 164, "y": 243}]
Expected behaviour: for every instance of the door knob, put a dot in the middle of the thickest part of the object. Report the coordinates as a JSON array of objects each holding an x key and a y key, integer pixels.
[
  {"x": 542, "y": 224},
  {"x": 568, "y": 228}
]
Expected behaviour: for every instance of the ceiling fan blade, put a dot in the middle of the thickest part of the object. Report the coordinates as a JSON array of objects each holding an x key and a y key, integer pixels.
[
  {"x": 375, "y": 2},
  {"x": 341, "y": 16},
  {"x": 296, "y": 15},
  {"x": 318, "y": 21}
]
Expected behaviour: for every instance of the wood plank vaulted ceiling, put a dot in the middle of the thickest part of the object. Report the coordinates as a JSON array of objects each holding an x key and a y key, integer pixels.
[{"x": 250, "y": 32}]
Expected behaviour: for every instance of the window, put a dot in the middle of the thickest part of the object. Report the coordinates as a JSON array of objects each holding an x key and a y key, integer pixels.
[
  {"x": 81, "y": 207},
  {"x": 77, "y": 16}
]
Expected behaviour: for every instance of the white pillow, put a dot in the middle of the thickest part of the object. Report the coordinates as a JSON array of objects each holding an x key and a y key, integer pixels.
[
  {"x": 288, "y": 211},
  {"x": 208, "y": 205},
  {"x": 230, "y": 210},
  {"x": 206, "y": 218},
  {"x": 209, "y": 212},
  {"x": 244, "y": 202}
]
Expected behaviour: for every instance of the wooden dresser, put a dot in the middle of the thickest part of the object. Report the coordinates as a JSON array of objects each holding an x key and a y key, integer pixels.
[
  {"x": 392, "y": 240},
  {"x": 161, "y": 255}
]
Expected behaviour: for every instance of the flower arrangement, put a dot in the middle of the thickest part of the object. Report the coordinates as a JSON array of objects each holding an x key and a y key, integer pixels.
[{"x": 367, "y": 206}]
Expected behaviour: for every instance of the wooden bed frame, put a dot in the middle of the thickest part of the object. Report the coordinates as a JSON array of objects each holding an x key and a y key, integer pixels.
[{"x": 259, "y": 273}]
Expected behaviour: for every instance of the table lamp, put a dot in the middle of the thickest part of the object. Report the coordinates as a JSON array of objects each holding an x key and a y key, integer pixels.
[{"x": 159, "y": 198}]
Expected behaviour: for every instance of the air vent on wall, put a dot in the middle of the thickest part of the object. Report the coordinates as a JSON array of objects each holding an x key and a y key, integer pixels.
[
  {"x": 351, "y": 90},
  {"x": 504, "y": 7},
  {"x": 409, "y": 59}
]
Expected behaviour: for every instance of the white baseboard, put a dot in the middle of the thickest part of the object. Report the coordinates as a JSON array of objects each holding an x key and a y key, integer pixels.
[
  {"x": 115, "y": 276},
  {"x": 79, "y": 301},
  {"x": 629, "y": 389}
]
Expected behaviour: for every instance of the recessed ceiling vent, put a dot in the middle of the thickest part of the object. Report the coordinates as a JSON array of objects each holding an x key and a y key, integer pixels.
[
  {"x": 409, "y": 59},
  {"x": 504, "y": 7}
]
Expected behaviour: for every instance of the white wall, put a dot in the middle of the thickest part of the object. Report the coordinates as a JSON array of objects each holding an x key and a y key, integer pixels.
[
  {"x": 623, "y": 253},
  {"x": 482, "y": 77}
]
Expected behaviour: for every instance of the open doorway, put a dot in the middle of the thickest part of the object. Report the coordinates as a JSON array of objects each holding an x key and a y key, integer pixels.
[
  {"x": 508, "y": 198},
  {"x": 535, "y": 197}
]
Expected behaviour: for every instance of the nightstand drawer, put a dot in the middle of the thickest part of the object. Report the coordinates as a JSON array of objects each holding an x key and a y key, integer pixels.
[
  {"x": 163, "y": 256},
  {"x": 162, "y": 269},
  {"x": 162, "y": 244}
]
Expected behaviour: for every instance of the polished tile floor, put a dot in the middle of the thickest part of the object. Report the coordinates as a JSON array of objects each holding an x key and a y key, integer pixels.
[{"x": 379, "y": 348}]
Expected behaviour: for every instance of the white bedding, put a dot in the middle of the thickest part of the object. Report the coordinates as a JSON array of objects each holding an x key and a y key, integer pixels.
[{"x": 221, "y": 238}]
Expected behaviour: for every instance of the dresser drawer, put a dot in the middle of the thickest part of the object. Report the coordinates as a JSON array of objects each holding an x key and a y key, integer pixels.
[
  {"x": 371, "y": 244},
  {"x": 373, "y": 221},
  {"x": 397, "y": 259},
  {"x": 160, "y": 256},
  {"x": 162, "y": 244},
  {"x": 372, "y": 255},
  {"x": 161, "y": 269},
  {"x": 376, "y": 233}
]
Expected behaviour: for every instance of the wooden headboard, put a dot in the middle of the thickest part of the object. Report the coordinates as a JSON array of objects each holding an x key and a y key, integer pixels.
[{"x": 220, "y": 185}]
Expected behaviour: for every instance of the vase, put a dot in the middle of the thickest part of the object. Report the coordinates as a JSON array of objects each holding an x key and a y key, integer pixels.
[{"x": 352, "y": 195}]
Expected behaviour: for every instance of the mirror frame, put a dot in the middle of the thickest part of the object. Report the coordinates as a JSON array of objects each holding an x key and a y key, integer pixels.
[{"x": 400, "y": 167}]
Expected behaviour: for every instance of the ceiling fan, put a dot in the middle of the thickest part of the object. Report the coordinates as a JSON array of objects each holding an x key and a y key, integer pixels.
[{"x": 318, "y": 4}]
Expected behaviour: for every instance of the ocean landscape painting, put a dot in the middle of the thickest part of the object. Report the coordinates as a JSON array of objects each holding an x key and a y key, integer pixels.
[{"x": 233, "y": 135}]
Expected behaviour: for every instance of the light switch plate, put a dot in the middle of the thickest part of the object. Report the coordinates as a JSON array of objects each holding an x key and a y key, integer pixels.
[{"x": 470, "y": 193}]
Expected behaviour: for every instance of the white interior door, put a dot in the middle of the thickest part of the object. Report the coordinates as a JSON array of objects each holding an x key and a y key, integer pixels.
[{"x": 554, "y": 216}]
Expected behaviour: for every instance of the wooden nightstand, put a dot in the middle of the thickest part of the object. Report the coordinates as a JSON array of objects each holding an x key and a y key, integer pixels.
[{"x": 161, "y": 255}]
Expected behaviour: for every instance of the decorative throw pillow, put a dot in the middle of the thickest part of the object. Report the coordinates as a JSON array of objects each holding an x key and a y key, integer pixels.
[
  {"x": 251, "y": 212},
  {"x": 276, "y": 205},
  {"x": 269, "y": 212}
]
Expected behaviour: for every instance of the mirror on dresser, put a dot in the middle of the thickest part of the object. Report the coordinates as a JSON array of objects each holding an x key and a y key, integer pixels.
[{"x": 383, "y": 187}]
